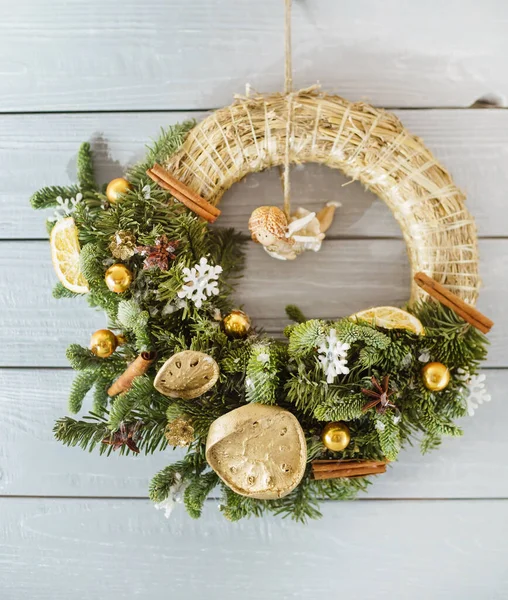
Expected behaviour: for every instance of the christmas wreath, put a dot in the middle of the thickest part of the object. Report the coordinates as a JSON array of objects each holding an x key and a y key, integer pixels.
[{"x": 273, "y": 424}]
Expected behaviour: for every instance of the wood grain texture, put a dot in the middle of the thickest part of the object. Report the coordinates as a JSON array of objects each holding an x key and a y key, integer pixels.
[
  {"x": 423, "y": 549},
  {"x": 346, "y": 276},
  {"x": 90, "y": 54},
  {"x": 39, "y": 150},
  {"x": 32, "y": 463}
]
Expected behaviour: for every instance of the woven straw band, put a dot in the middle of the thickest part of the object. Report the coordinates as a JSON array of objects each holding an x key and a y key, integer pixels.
[{"x": 367, "y": 144}]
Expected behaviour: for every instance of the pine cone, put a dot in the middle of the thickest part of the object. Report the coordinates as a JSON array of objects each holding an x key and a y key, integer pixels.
[
  {"x": 122, "y": 245},
  {"x": 179, "y": 432}
]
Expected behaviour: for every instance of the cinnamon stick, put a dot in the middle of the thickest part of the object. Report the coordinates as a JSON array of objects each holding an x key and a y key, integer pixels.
[
  {"x": 439, "y": 292},
  {"x": 334, "y": 469},
  {"x": 184, "y": 193},
  {"x": 138, "y": 367},
  {"x": 184, "y": 189},
  {"x": 183, "y": 199}
]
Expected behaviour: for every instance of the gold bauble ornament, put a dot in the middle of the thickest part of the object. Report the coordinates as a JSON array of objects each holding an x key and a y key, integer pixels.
[
  {"x": 117, "y": 187},
  {"x": 118, "y": 278},
  {"x": 435, "y": 376},
  {"x": 103, "y": 343},
  {"x": 336, "y": 436},
  {"x": 237, "y": 324}
]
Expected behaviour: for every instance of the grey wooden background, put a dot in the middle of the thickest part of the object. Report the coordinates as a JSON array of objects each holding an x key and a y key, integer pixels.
[{"x": 74, "y": 525}]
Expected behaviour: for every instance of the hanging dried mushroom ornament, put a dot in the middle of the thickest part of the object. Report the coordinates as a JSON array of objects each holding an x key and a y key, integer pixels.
[
  {"x": 258, "y": 451},
  {"x": 188, "y": 374}
]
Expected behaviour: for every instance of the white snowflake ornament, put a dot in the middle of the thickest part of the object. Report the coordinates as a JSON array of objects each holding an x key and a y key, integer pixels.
[
  {"x": 147, "y": 190},
  {"x": 175, "y": 497},
  {"x": 200, "y": 282},
  {"x": 332, "y": 356},
  {"x": 66, "y": 206},
  {"x": 475, "y": 392}
]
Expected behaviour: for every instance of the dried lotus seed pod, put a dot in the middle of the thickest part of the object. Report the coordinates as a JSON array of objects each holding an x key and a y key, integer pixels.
[
  {"x": 188, "y": 374},
  {"x": 258, "y": 451}
]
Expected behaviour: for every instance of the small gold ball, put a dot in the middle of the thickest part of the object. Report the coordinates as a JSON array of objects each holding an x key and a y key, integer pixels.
[
  {"x": 117, "y": 187},
  {"x": 436, "y": 376},
  {"x": 118, "y": 278},
  {"x": 237, "y": 324},
  {"x": 103, "y": 343},
  {"x": 121, "y": 339},
  {"x": 336, "y": 436}
]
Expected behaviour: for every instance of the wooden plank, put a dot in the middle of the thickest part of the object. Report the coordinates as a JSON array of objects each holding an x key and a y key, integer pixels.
[
  {"x": 38, "y": 150},
  {"x": 100, "y": 55},
  {"x": 346, "y": 276},
  {"x": 32, "y": 463},
  {"x": 54, "y": 549}
]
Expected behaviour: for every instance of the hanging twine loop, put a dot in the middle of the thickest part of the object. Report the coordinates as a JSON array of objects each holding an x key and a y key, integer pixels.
[{"x": 288, "y": 90}]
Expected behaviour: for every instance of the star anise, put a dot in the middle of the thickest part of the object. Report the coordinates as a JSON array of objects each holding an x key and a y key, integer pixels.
[
  {"x": 380, "y": 396},
  {"x": 125, "y": 436},
  {"x": 159, "y": 254}
]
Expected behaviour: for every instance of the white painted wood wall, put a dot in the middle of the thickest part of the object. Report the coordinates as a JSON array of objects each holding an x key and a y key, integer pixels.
[{"x": 79, "y": 526}]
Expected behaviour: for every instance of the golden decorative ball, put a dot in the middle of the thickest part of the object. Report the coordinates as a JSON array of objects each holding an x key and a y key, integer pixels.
[
  {"x": 103, "y": 343},
  {"x": 237, "y": 324},
  {"x": 336, "y": 436},
  {"x": 118, "y": 278},
  {"x": 117, "y": 187},
  {"x": 436, "y": 376}
]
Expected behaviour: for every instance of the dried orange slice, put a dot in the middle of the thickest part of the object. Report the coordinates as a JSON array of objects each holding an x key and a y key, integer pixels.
[
  {"x": 65, "y": 251},
  {"x": 390, "y": 317}
]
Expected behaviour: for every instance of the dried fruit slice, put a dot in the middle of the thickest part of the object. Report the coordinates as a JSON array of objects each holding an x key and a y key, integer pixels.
[
  {"x": 65, "y": 251},
  {"x": 390, "y": 317},
  {"x": 187, "y": 375},
  {"x": 258, "y": 451}
]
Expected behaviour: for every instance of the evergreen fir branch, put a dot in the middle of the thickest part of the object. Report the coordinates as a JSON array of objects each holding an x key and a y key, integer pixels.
[
  {"x": 187, "y": 468},
  {"x": 235, "y": 507},
  {"x": 301, "y": 504},
  {"x": 81, "y": 359},
  {"x": 100, "y": 397},
  {"x": 295, "y": 314},
  {"x": 59, "y": 291},
  {"x": 429, "y": 442},
  {"x": 262, "y": 377},
  {"x": 305, "y": 337},
  {"x": 91, "y": 262},
  {"x": 306, "y": 395},
  {"x": 389, "y": 434},
  {"x": 132, "y": 318},
  {"x": 340, "y": 406},
  {"x": 82, "y": 384},
  {"x": 86, "y": 177},
  {"x": 140, "y": 393},
  {"x": 339, "y": 489},
  {"x": 352, "y": 332},
  {"x": 197, "y": 492},
  {"x": 46, "y": 197},
  {"x": 315, "y": 447},
  {"x": 162, "y": 149},
  {"x": 85, "y": 434}
]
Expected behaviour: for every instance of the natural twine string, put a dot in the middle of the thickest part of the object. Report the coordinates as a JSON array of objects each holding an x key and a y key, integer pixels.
[{"x": 288, "y": 89}]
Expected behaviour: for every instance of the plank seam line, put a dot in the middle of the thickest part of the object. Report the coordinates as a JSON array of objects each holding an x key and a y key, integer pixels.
[
  {"x": 208, "y": 109},
  {"x": 216, "y": 499},
  {"x": 331, "y": 238}
]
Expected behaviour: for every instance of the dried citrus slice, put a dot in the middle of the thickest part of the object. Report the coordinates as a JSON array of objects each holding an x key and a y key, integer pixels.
[
  {"x": 390, "y": 317},
  {"x": 65, "y": 251}
]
